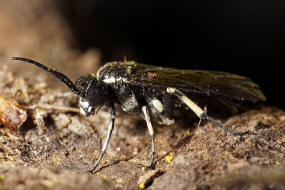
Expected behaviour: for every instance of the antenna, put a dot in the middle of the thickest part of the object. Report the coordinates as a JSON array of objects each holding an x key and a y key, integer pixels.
[{"x": 58, "y": 75}]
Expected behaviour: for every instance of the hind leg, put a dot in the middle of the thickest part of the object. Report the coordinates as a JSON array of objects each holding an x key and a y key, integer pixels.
[{"x": 201, "y": 113}]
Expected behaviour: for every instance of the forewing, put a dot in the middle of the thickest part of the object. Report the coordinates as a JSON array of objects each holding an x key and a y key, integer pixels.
[{"x": 201, "y": 82}]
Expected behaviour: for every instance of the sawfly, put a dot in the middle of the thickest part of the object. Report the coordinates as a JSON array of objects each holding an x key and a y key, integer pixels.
[{"x": 155, "y": 92}]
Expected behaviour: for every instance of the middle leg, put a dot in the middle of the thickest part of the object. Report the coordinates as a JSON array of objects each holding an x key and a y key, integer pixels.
[{"x": 151, "y": 134}]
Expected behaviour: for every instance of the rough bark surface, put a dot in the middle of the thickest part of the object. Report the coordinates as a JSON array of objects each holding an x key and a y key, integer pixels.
[{"x": 55, "y": 147}]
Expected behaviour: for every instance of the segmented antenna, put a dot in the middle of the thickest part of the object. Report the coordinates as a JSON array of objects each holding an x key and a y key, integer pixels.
[{"x": 58, "y": 75}]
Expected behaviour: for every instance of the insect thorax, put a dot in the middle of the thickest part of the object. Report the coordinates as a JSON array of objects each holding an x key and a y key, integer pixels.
[{"x": 132, "y": 97}]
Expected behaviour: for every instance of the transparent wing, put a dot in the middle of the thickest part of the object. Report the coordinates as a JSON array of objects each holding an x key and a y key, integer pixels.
[{"x": 200, "y": 82}]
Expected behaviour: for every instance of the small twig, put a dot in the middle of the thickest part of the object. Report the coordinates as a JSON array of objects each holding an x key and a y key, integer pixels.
[{"x": 53, "y": 107}]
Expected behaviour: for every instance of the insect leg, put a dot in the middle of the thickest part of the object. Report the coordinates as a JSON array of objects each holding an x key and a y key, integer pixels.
[
  {"x": 151, "y": 134},
  {"x": 200, "y": 113},
  {"x": 110, "y": 129}
]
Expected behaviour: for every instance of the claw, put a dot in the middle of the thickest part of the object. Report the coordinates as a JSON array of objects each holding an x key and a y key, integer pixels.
[
  {"x": 92, "y": 171},
  {"x": 152, "y": 163},
  {"x": 150, "y": 166}
]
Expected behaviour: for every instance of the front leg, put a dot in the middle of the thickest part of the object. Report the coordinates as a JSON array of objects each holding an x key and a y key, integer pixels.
[
  {"x": 110, "y": 129},
  {"x": 151, "y": 134}
]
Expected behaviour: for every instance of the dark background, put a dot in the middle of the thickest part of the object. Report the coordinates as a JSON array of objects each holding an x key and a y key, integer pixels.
[{"x": 239, "y": 36}]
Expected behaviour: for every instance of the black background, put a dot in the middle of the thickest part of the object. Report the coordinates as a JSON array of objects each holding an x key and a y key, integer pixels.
[{"x": 241, "y": 36}]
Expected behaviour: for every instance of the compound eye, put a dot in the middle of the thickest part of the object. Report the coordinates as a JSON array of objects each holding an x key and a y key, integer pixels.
[
  {"x": 85, "y": 85},
  {"x": 90, "y": 87}
]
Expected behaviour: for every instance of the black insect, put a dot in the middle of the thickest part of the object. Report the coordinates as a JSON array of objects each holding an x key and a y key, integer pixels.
[{"x": 155, "y": 92}]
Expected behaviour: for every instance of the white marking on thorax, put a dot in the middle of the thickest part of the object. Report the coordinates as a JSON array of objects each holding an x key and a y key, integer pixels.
[
  {"x": 130, "y": 103},
  {"x": 157, "y": 105},
  {"x": 113, "y": 80}
]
